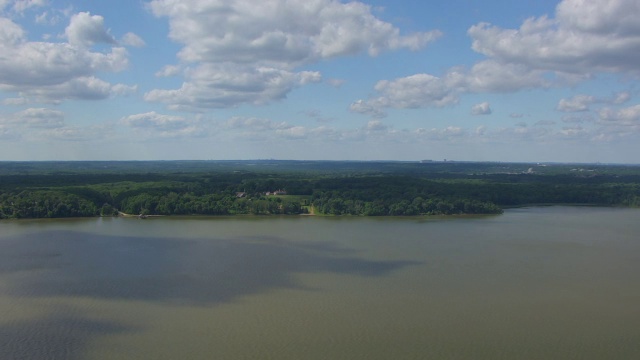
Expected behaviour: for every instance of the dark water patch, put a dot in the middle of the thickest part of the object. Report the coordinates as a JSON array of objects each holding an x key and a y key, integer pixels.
[
  {"x": 52, "y": 338},
  {"x": 206, "y": 271}
]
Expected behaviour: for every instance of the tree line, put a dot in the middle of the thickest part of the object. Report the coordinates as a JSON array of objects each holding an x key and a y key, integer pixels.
[{"x": 342, "y": 192}]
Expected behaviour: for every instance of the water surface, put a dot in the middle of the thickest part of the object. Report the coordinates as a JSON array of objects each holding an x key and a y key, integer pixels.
[{"x": 555, "y": 283}]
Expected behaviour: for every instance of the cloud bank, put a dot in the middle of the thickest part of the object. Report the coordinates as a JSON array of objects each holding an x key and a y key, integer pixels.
[{"x": 243, "y": 51}]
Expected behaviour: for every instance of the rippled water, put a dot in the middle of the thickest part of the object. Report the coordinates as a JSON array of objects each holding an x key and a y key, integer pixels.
[{"x": 538, "y": 283}]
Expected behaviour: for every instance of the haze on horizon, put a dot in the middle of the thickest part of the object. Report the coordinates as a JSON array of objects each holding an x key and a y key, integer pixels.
[{"x": 537, "y": 81}]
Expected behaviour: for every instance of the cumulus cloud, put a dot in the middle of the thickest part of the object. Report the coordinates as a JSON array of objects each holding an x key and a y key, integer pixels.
[
  {"x": 53, "y": 71},
  {"x": 42, "y": 64},
  {"x": 629, "y": 116},
  {"x": 34, "y": 118},
  {"x": 584, "y": 37},
  {"x": 220, "y": 86},
  {"x": 621, "y": 97},
  {"x": 576, "y": 103},
  {"x": 376, "y": 125},
  {"x": 131, "y": 39},
  {"x": 81, "y": 88},
  {"x": 243, "y": 38},
  {"x": 40, "y": 118},
  {"x": 372, "y": 107},
  {"x": 415, "y": 91},
  {"x": 581, "y": 102},
  {"x": 85, "y": 29},
  {"x": 152, "y": 124},
  {"x": 448, "y": 133},
  {"x": 20, "y": 6},
  {"x": 76, "y": 133},
  {"x": 336, "y": 82},
  {"x": 255, "y": 124},
  {"x": 169, "y": 70},
  {"x": 425, "y": 90},
  {"x": 481, "y": 109},
  {"x": 294, "y": 132},
  {"x": 493, "y": 76},
  {"x": 265, "y": 129},
  {"x": 283, "y": 32}
]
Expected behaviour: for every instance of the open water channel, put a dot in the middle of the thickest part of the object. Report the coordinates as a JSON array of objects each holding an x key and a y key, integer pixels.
[{"x": 533, "y": 283}]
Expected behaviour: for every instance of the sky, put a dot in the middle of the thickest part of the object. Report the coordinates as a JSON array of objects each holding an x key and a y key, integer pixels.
[{"x": 491, "y": 80}]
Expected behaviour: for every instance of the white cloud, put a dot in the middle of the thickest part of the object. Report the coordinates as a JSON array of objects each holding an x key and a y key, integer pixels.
[
  {"x": 85, "y": 30},
  {"x": 283, "y": 32},
  {"x": 629, "y": 116},
  {"x": 34, "y": 118},
  {"x": 294, "y": 132},
  {"x": 576, "y": 103},
  {"x": 169, "y": 70},
  {"x": 10, "y": 32},
  {"x": 249, "y": 37},
  {"x": 336, "y": 82},
  {"x": 481, "y": 109},
  {"x": 40, "y": 118},
  {"x": 584, "y": 37},
  {"x": 255, "y": 124},
  {"x": 618, "y": 124},
  {"x": 621, "y": 97},
  {"x": 521, "y": 133},
  {"x": 415, "y": 91},
  {"x": 20, "y": 6},
  {"x": 153, "y": 125},
  {"x": 493, "y": 76},
  {"x": 123, "y": 90},
  {"x": 156, "y": 121},
  {"x": 75, "y": 134},
  {"x": 376, "y": 125},
  {"x": 480, "y": 130},
  {"x": 81, "y": 88},
  {"x": 51, "y": 72},
  {"x": 53, "y": 16},
  {"x": 219, "y": 86},
  {"x": 425, "y": 90},
  {"x": 574, "y": 132},
  {"x": 448, "y": 133},
  {"x": 265, "y": 129},
  {"x": 131, "y": 39},
  {"x": 582, "y": 102},
  {"x": 370, "y": 107},
  {"x": 42, "y": 63},
  {"x": 15, "y": 101},
  {"x": 600, "y": 17}
]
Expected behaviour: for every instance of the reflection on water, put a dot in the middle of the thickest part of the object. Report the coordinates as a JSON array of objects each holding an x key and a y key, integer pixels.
[
  {"x": 81, "y": 264},
  {"x": 533, "y": 283}
]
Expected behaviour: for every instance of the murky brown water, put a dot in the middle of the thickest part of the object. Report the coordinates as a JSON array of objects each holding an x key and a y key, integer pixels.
[{"x": 538, "y": 283}]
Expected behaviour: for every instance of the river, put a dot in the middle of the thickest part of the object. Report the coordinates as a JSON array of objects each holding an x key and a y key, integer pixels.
[{"x": 533, "y": 283}]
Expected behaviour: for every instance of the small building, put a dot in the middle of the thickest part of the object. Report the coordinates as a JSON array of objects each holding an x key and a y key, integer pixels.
[{"x": 241, "y": 194}]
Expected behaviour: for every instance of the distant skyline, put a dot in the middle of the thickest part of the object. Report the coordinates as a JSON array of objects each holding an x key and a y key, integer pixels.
[{"x": 529, "y": 81}]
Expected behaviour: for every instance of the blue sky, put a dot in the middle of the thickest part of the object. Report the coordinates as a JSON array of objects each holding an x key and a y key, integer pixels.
[{"x": 527, "y": 80}]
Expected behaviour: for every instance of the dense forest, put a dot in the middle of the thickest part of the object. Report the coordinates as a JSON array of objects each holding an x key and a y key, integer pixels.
[{"x": 83, "y": 189}]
